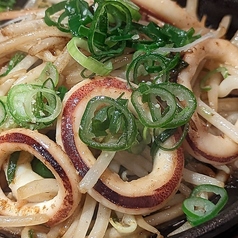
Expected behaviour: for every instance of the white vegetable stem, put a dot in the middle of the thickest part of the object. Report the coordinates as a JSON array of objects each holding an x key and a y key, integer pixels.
[{"x": 92, "y": 176}]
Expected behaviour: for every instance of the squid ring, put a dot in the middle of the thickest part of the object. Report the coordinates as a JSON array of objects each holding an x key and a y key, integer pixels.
[
  {"x": 47, "y": 151},
  {"x": 182, "y": 19},
  {"x": 140, "y": 196},
  {"x": 199, "y": 139}
]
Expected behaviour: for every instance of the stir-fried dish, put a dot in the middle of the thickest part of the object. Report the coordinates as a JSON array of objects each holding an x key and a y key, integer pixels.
[{"x": 115, "y": 116}]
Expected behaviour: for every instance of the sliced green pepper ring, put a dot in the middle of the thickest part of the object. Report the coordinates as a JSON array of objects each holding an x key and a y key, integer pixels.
[
  {"x": 183, "y": 94},
  {"x": 144, "y": 100},
  {"x": 199, "y": 210},
  {"x": 113, "y": 142}
]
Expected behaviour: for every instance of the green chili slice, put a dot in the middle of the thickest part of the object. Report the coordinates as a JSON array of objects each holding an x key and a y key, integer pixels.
[
  {"x": 154, "y": 105},
  {"x": 199, "y": 210},
  {"x": 107, "y": 124},
  {"x": 186, "y": 102}
]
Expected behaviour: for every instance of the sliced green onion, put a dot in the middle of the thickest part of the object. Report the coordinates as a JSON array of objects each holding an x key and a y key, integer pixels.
[
  {"x": 32, "y": 105},
  {"x": 198, "y": 209},
  {"x": 108, "y": 28},
  {"x": 107, "y": 124},
  {"x": 178, "y": 36},
  {"x": 133, "y": 8},
  {"x": 17, "y": 58},
  {"x": 151, "y": 63},
  {"x": 89, "y": 63},
  {"x": 163, "y": 136},
  {"x": 3, "y": 112},
  {"x": 151, "y": 112},
  {"x": 61, "y": 91},
  {"x": 167, "y": 35},
  {"x": 49, "y": 19},
  {"x": 49, "y": 84},
  {"x": 49, "y": 76},
  {"x": 143, "y": 138},
  {"x": 12, "y": 165},
  {"x": 79, "y": 14},
  {"x": 110, "y": 18},
  {"x": 187, "y": 104},
  {"x": 7, "y": 120},
  {"x": 7, "y": 5}
]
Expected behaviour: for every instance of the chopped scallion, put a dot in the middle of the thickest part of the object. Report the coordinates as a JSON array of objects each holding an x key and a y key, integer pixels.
[
  {"x": 198, "y": 209},
  {"x": 107, "y": 124},
  {"x": 18, "y": 57},
  {"x": 33, "y": 106},
  {"x": 87, "y": 62}
]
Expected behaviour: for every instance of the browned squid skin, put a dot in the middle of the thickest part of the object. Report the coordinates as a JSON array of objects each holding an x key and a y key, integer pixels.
[
  {"x": 56, "y": 160},
  {"x": 207, "y": 157},
  {"x": 206, "y": 146},
  {"x": 169, "y": 12},
  {"x": 110, "y": 189}
]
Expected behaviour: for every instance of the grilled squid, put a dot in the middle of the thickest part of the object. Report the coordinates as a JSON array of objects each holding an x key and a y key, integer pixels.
[
  {"x": 63, "y": 204},
  {"x": 139, "y": 196},
  {"x": 199, "y": 137},
  {"x": 182, "y": 19}
]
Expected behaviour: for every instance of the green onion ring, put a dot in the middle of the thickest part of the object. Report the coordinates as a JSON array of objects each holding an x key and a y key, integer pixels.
[
  {"x": 87, "y": 62},
  {"x": 124, "y": 140},
  {"x": 156, "y": 118}
]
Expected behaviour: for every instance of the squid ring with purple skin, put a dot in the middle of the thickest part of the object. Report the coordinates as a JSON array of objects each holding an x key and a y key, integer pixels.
[
  {"x": 47, "y": 151},
  {"x": 141, "y": 196},
  {"x": 199, "y": 138}
]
